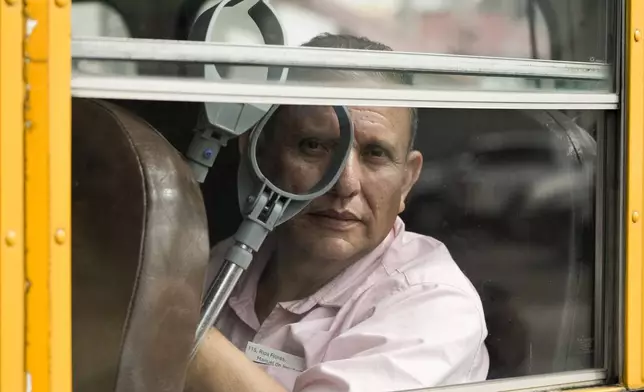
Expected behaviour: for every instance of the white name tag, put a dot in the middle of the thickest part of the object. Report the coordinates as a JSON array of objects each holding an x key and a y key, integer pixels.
[{"x": 271, "y": 357}]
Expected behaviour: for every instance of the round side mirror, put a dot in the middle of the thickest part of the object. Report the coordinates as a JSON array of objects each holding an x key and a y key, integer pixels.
[{"x": 293, "y": 162}]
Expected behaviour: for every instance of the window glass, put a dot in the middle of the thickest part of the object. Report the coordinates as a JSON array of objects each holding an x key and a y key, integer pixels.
[
  {"x": 574, "y": 30},
  {"x": 96, "y": 19},
  {"x": 490, "y": 28},
  {"x": 510, "y": 193},
  {"x": 570, "y": 30}
]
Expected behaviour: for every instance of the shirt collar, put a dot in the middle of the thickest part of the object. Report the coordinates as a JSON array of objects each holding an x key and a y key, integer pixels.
[
  {"x": 339, "y": 290},
  {"x": 334, "y": 294}
]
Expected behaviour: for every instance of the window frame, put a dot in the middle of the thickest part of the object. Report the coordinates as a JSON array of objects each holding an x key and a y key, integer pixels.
[
  {"x": 178, "y": 89},
  {"x": 137, "y": 49}
]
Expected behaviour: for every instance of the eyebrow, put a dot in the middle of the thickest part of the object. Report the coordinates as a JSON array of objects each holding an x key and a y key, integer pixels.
[
  {"x": 374, "y": 136},
  {"x": 381, "y": 143}
]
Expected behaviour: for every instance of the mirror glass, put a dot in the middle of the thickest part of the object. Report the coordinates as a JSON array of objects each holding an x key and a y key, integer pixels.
[{"x": 300, "y": 148}]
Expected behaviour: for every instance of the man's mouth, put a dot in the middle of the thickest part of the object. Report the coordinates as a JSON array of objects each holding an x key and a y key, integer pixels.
[{"x": 335, "y": 219}]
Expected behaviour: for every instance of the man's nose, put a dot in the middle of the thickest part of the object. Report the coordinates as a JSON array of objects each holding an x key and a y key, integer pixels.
[{"x": 348, "y": 183}]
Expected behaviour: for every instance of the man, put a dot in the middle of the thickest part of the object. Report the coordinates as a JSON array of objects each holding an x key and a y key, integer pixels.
[{"x": 341, "y": 297}]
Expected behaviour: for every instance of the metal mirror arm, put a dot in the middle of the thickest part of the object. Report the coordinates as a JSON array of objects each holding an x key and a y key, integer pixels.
[
  {"x": 265, "y": 211},
  {"x": 219, "y": 123},
  {"x": 204, "y": 148},
  {"x": 213, "y": 132}
]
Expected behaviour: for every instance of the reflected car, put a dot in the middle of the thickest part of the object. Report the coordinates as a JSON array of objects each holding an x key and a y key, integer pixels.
[{"x": 507, "y": 177}]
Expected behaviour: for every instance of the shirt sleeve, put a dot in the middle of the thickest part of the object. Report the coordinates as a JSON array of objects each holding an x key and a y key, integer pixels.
[{"x": 425, "y": 336}]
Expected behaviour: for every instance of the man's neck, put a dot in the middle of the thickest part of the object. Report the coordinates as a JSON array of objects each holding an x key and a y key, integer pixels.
[{"x": 290, "y": 275}]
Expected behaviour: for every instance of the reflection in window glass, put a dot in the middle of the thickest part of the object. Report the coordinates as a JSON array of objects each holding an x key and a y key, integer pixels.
[
  {"x": 572, "y": 30},
  {"x": 470, "y": 27},
  {"x": 511, "y": 195},
  {"x": 491, "y": 28},
  {"x": 96, "y": 19},
  {"x": 499, "y": 28}
]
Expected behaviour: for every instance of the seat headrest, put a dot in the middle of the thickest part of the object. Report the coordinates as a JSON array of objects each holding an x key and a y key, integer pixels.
[{"x": 139, "y": 253}]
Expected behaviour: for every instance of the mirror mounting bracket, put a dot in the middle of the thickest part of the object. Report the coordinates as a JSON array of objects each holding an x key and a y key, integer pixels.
[{"x": 230, "y": 119}]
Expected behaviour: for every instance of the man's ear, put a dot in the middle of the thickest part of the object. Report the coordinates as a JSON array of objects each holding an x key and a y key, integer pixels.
[{"x": 412, "y": 172}]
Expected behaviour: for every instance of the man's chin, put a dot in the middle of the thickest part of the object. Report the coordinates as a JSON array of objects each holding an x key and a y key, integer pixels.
[{"x": 329, "y": 246}]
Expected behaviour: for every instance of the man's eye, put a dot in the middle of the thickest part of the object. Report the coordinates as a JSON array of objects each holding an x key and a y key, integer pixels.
[
  {"x": 376, "y": 153},
  {"x": 311, "y": 146}
]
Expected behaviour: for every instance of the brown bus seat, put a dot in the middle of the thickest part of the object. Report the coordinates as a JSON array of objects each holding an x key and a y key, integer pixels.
[{"x": 138, "y": 257}]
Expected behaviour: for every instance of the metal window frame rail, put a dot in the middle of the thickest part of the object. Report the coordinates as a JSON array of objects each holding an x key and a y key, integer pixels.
[
  {"x": 132, "y": 49},
  {"x": 200, "y": 90},
  {"x": 546, "y": 382}
]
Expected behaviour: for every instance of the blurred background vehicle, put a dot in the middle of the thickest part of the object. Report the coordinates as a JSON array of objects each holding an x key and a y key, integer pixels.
[{"x": 523, "y": 174}]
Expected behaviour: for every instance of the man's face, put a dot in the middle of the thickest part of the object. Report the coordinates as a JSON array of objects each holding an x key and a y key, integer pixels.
[{"x": 360, "y": 210}]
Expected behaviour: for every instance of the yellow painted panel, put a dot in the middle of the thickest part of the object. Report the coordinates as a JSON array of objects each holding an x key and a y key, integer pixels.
[
  {"x": 60, "y": 155},
  {"x": 37, "y": 195},
  {"x": 12, "y": 278},
  {"x": 48, "y": 195},
  {"x": 634, "y": 344}
]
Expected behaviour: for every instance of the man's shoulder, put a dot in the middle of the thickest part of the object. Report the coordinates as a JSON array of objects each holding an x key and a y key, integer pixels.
[
  {"x": 420, "y": 272},
  {"x": 418, "y": 259}
]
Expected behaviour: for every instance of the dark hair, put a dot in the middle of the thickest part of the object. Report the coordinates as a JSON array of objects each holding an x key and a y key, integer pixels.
[{"x": 347, "y": 41}]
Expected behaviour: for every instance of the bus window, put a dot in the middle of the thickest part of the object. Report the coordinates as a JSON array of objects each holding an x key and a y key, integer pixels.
[
  {"x": 518, "y": 218},
  {"x": 526, "y": 29},
  {"x": 510, "y": 193},
  {"x": 513, "y": 184}
]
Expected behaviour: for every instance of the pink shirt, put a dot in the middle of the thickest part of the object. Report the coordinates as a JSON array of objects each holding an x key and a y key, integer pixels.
[{"x": 403, "y": 317}]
